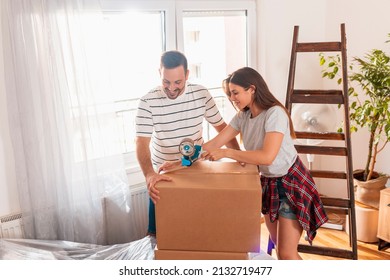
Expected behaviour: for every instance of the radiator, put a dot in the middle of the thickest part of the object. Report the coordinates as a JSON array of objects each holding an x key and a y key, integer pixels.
[
  {"x": 11, "y": 226},
  {"x": 139, "y": 213},
  {"x": 125, "y": 225},
  {"x": 121, "y": 225}
]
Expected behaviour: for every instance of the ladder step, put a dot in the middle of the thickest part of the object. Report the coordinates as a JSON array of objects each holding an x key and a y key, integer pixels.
[
  {"x": 328, "y": 174},
  {"x": 319, "y": 47},
  {"x": 321, "y": 150},
  {"x": 338, "y": 211},
  {"x": 317, "y": 96},
  {"x": 324, "y": 251},
  {"x": 323, "y": 136},
  {"x": 336, "y": 202}
]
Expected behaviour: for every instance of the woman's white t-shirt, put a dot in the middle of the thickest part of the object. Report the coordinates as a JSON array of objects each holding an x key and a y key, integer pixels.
[{"x": 253, "y": 132}]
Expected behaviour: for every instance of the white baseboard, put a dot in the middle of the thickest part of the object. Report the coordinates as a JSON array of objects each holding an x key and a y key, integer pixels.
[{"x": 333, "y": 226}]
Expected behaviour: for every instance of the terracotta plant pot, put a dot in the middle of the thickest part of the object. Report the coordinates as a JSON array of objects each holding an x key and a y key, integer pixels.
[{"x": 368, "y": 192}]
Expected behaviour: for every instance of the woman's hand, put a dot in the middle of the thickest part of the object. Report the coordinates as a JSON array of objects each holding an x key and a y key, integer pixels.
[
  {"x": 169, "y": 166},
  {"x": 217, "y": 154},
  {"x": 214, "y": 155}
]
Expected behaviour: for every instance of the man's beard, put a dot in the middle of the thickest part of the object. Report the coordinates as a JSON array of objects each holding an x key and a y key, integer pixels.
[{"x": 174, "y": 94}]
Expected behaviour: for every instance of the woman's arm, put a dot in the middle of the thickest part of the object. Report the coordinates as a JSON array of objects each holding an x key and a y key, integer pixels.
[
  {"x": 264, "y": 156},
  {"x": 225, "y": 136},
  {"x": 232, "y": 143}
]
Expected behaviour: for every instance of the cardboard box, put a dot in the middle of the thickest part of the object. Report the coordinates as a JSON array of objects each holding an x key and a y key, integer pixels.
[
  {"x": 198, "y": 255},
  {"x": 210, "y": 206}
]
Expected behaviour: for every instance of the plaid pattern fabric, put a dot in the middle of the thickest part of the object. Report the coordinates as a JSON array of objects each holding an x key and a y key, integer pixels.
[{"x": 302, "y": 194}]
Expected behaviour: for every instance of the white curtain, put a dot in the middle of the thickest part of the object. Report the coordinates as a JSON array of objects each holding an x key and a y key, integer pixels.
[{"x": 62, "y": 118}]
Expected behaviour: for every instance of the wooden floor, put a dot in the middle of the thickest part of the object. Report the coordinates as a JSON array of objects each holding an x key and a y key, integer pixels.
[{"x": 333, "y": 238}]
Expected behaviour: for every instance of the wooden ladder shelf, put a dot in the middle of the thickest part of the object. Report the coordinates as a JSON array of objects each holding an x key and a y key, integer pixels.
[{"x": 336, "y": 205}]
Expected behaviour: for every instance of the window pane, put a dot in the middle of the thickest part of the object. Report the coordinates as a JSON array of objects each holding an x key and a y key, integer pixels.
[
  {"x": 215, "y": 43},
  {"x": 134, "y": 45},
  {"x": 135, "y": 42}
]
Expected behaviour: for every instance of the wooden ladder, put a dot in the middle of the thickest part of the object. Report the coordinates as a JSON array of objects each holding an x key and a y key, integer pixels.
[{"x": 340, "y": 97}]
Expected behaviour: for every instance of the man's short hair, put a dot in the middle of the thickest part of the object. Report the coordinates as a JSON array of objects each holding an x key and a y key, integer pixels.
[{"x": 173, "y": 59}]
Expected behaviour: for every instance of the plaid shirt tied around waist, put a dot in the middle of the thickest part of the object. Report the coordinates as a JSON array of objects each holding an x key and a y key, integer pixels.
[{"x": 302, "y": 194}]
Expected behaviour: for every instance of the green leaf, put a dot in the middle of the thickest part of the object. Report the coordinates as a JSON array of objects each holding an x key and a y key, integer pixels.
[
  {"x": 368, "y": 91},
  {"x": 322, "y": 61}
]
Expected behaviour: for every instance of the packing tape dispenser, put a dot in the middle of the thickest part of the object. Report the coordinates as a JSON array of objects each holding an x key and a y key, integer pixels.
[{"x": 190, "y": 151}]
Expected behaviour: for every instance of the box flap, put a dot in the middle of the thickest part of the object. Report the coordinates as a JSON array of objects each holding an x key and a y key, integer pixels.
[
  {"x": 211, "y": 181},
  {"x": 214, "y": 167}
]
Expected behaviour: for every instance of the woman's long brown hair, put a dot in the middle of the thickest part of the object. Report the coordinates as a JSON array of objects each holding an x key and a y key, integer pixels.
[{"x": 247, "y": 77}]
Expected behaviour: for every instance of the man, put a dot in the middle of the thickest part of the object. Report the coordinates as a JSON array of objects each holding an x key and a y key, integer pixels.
[{"x": 165, "y": 116}]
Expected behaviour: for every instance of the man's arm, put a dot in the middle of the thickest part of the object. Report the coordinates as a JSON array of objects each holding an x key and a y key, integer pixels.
[
  {"x": 145, "y": 162},
  {"x": 143, "y": 155}
]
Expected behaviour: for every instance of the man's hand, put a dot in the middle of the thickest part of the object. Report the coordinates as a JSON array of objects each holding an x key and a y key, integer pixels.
[{"x": 151, "y": 182}]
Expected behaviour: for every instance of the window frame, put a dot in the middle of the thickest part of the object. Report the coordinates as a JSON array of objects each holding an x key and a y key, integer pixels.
[
  {"x": 248, "y": 6},
  {"x": 173, "y": 28},
  {"x": 167, "y": 6}
]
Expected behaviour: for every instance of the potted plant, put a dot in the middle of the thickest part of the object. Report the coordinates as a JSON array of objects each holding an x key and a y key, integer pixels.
[{"x": 369, "y": 109}]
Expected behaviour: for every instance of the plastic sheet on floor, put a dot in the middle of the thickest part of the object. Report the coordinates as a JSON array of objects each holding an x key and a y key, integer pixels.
[{"x": 31, "y": 249}]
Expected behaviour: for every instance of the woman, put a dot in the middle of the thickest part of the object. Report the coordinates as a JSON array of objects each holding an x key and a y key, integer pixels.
[{"x": 290, "y": 202}]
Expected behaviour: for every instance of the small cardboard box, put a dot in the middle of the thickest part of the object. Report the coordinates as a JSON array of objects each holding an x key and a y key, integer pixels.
[
  {"x": 198, "y": 255},
  {"x": 210, "y": 206}
]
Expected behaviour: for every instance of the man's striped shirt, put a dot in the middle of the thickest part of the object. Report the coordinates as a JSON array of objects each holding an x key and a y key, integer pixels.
[{"x": 169, "y": 121}]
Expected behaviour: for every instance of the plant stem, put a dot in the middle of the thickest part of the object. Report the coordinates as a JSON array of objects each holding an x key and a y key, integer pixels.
[
  {"x": 372, "y": 163},
  {"x": 369, "y": 159}
]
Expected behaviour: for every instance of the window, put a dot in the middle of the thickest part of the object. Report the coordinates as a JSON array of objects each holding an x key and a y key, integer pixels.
[
  {"x": 133, "y": 55},
  {"x": 214, "y": 35},
  {"x": 215, "y": 43}
]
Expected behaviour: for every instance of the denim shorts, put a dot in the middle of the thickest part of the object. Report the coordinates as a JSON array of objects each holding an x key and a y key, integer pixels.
[{"x": 285, "y": 209}]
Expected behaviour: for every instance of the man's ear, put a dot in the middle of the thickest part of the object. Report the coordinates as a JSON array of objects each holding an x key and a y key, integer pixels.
[{"x": 187, "y": 74}]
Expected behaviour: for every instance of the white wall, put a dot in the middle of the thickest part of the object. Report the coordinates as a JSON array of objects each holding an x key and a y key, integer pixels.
[
  {"x": 277, "y": 19},
  {"x": 367, "y": 25}
]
